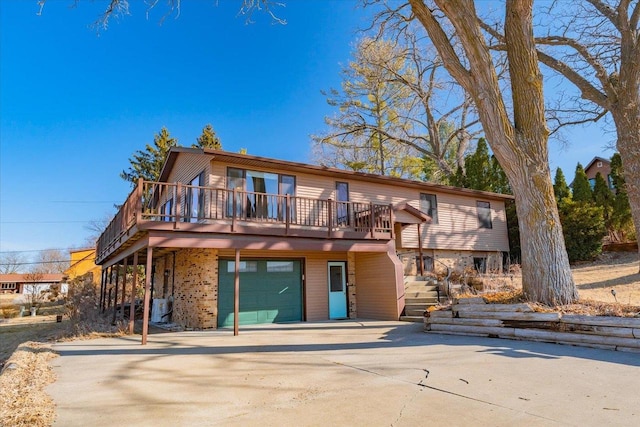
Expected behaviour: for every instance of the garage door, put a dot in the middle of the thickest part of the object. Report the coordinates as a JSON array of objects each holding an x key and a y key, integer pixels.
[{"x": 270, "y": 291}]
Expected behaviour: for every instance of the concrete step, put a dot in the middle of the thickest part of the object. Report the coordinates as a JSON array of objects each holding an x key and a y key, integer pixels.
[
  {"x": 416, "y": 319},
  {"x": 421, "y": 288},
  {"x": 420, "y": 294},
  {"x": 418, "y": 306},
  {"x": 415, "y": 312},
  {"x": 420, "y": 285},
  {"x": 423, "y": 301}
]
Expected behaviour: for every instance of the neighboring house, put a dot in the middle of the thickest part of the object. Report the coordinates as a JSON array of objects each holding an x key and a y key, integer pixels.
[
  {"x": 313, "y": 243},
  {"x": 83, "y": 261},
  {"x": 28, "y": 283},
  {"x": 599, "y": 164}
]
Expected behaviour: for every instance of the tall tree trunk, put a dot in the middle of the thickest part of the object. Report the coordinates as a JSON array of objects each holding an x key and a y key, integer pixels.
[
  {"x": 521, "y": 147},
  {"x": 628, "y": 128}
]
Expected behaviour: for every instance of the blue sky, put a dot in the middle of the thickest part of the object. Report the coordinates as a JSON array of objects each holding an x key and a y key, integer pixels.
[{"x": 74, "y": 106}]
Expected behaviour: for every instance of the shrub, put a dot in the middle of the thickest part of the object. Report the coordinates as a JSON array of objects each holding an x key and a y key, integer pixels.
[{"x": 583, "y": 228}]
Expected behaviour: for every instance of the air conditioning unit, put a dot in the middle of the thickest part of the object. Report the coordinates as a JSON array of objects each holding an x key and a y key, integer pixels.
[{"x": 159, "y": 308}]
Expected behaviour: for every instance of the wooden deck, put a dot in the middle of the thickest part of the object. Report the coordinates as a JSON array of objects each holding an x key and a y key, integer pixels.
[{"x": 176, "y": 208}]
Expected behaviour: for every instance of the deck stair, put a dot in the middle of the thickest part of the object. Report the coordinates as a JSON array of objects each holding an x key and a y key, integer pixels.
[{"x": 420, "y": 293}]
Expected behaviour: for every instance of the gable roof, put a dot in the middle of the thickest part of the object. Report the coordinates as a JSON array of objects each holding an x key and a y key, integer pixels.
[
  {"x": 31, "y": 278},
  {"x": 597, "y": 159},
  {"x": 247, "y": 160}
]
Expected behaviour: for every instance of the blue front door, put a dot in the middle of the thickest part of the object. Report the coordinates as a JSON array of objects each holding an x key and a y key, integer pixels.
[{"x": 337, "y": 290}]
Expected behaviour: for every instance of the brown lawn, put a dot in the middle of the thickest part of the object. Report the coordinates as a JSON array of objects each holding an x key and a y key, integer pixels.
[{"x": 613, "y": 270}]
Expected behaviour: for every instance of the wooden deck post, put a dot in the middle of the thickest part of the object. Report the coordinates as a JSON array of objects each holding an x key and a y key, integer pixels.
[
  {"x": 147, "y": 295},
  {"x": 421, "y": 263},
  {"x": 233, "y": 213},
  {"x": 110, "y": 276},
  {"x": 372, "y": 219},
  {"x": 124, "y": 287},
  {"x": 287, "y": 207},
  {"x": 236, "y": 295},
  {"x": 132, "y": 309},
  {"x": 115, "y": 295},
  {"x": 330, "y": 217},
  {"x": 178, "y": 204},
  {"x": 103, "y": 285}
]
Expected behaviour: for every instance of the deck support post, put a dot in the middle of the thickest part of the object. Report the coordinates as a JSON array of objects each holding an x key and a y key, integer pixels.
[
  {"x": 103, "y": 284},
  {"x": 147, "y": 295},
  {"x": 115, "y": 295},
  {"x": 134, "y": 282},
  {"x": 124, "y": 286},
  {"x": 236, "y": 295}
]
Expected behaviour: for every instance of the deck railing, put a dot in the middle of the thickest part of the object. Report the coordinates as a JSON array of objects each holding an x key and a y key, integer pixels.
[{"x": 179, "y": 203}]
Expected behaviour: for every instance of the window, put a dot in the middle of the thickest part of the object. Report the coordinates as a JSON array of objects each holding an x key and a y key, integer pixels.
[
  {"x": 480, "y": 264},
  {"x": 166, "y": 213},
  {"x": 599, "y": 164},
  {"x": 8, "y": 286},
  {"x": 427, "y": 263},
  {"x": 244, "y": 266},
  {"x": 484, "y": 214},
  {"x": 592, "y": 183},
  {"x": 342, "y": 203},
  {"x": 279, "y": 266},
  {"x": 261, "y": 197},
  {"x": 194, "y": 208},
  {"x": 429, "y": 205}
]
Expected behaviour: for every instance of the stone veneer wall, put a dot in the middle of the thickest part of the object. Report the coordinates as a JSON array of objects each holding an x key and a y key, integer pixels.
[
  {"x": 351, "y": 284},
  {"x": 195, "y": 303},
  {"x": 456, "y": 260}
]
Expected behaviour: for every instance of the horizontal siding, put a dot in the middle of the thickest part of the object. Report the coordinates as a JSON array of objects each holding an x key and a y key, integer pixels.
[
  {"x": 188, "y": 166},
  {"x": 376, "y": 290},
  {"x": 316, "y": 291},
  {"x": 457, "y": 227}
]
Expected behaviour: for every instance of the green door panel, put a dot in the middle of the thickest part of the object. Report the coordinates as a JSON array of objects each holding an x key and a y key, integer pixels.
[{"x": 265, "y": 296}]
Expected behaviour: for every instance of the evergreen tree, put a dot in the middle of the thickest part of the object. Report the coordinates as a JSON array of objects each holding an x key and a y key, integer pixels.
[
  {"x": 581, "y": 188},
  {"x": 583, "y": 229},
  {"x": 621, "y": 220},
  {"x": 560, "y": 187},
  {"x": 208, "y": 139},
  {"x": 499, "y": 181},
  {"x": 478, "y": 169},
  {"x": 147, "y": 163}
]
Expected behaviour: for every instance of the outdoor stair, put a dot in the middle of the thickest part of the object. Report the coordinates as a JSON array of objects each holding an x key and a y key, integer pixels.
[{"x": 420, "y": 293}]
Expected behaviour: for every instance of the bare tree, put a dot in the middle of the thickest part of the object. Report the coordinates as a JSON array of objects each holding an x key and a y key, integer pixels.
[
  {"x": 50, "y": 261},
  {"x": 397, "y": 94},
  {"x": 120, "y": 8},
  {"x": 33, "y": 292},
  {"x": 595, "y": 45},
  {"x": 518, "y": 139},
  {"x": 11, "y": 262}
]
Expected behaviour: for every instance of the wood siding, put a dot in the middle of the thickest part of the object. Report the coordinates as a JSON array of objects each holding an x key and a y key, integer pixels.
[
  {"x": 457, "y": 227},
  {"x": 316, "y": 291},
  {"x": 377, "y": 286}
]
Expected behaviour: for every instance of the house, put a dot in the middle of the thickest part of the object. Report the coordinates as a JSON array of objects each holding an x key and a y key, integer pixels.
[
  {"x": 601, "y": 165},
  {"x": 82, "y": 262},
  {"x": 299, "y": 242},
  {"x": 27, "y": 283}
]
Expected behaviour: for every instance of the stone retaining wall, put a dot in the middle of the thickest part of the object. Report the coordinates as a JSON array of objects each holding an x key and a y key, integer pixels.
[{"x": 473, "y": 317}]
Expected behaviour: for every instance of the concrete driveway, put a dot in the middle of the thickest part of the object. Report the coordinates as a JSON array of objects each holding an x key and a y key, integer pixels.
[{"x": 351, "y": 373}]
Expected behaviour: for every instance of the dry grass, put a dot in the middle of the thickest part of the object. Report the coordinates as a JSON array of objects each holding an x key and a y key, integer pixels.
[
  {"x": 22, "y": 397},
  {"x": 617, "y": 271},
  {"x": 26, "y": 373}
]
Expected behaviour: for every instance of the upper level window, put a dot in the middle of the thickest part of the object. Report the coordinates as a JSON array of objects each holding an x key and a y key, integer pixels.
[
  {"x": 599, "y": 164},
  {"x": 262, "y": 193},
  {"x": 484, "y": 214},
  {"x": 429, "y": 205},
  {"x": 166, "y": 212},
  {"x": 194, "y": 207},
  {"x": 342, "y": 205}
]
